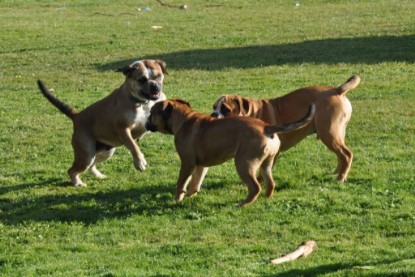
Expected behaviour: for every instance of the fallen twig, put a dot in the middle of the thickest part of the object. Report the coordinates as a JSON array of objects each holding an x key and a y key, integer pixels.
[
  {"x": 303, "y": 250},
  {"x": 183, "y": 7},
  {"x": 108, "y": 14}
]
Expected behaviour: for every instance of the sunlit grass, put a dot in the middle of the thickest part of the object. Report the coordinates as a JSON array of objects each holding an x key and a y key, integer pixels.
[{"x": 128, "y": 224}]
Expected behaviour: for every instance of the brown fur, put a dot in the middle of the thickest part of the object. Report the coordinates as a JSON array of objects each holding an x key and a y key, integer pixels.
[
  {"x": 333, "y": 112},
  {"x": 118, "y": 119},
  {"x": 203, "y": 141}
]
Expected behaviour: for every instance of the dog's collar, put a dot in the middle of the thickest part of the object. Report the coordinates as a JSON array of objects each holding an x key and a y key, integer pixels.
[{"x": 138, "y": 100}]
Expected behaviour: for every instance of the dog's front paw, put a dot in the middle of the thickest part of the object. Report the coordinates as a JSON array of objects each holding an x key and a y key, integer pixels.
[
  {"x": 179, "y": 196},
  {"x": 140, "y": 163},
  {"x": 192, "y": 193}
]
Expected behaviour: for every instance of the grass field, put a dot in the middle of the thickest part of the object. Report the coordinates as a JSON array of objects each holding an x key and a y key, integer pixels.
[{"x": 128, "y": 224}]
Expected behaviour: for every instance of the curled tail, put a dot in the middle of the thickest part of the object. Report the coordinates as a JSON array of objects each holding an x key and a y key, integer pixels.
[
  {"x": 65, "y": 109},
  {"x": 270, "y": 130},
  {"x": 349, "y": 85}
]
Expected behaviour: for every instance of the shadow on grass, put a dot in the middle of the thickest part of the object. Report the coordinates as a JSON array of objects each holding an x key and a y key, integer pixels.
[
  {"x": 364, "y": 269},
  {"x": 6, "y": 189},
  {"x": 88, "y": 207},
  {"x": 365, "y": 50},
  {"x": 91, "y": 207}
]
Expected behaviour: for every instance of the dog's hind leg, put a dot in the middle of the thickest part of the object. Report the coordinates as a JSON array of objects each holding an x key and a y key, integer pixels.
[
  {"x": 93, "y": 169},
  {"x": 77, "y": 169},
  {"x": 344, "y": 156},
  {"x": 247, "y": 171},
  {"x": 331, "y": 129},
  {"x": 197, "y": 179},
  {"x": 100, "y": 157},
  {"x": 84, "y": 156},
  {"x": 266, "y": 173}
]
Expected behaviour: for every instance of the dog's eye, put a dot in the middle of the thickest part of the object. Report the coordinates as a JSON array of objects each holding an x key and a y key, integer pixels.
[
  {"x": 143, "y": 79},
  {"x": 158, "y": 77}
]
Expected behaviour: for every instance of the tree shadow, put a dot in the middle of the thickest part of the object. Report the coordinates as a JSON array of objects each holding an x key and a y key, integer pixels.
[{"x": 360, "y": 50}]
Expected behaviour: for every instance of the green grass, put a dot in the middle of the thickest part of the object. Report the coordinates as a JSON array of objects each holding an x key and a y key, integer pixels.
[{"x": 128, "y": 225}]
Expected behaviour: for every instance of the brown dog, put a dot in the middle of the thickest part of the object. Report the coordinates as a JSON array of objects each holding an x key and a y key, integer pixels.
[
  {"x": 115, "y": 120},
  {"x": 333, "y": 112},
  {"x": 203, "y": 141}
]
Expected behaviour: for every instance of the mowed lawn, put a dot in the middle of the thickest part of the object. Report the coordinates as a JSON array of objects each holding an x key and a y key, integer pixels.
[{"x": 128, "y": 224}]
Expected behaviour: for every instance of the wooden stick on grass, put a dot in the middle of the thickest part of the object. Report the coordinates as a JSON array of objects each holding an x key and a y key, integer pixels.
[{"x": 303, "y": 250}]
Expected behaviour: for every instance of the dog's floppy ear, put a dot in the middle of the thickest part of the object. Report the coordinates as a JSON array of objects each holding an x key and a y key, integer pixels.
[
  {"x": 242, "y": 104},
  {"x": 163, "y": 66},
  {"x": 167, "y": 109},
  {"x": 245, "y": 107},
  {"x": 225, "y": 109},
  {"x": 238, "y": 106},
  {"x": 126, "y": 70}
]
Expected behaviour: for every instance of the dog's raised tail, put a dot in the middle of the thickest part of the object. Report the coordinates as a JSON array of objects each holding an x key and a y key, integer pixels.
[
  {"x": 65, "y": 109},
  {"x": 350, "y": 84},
  {"x": 272, "y": 129}
]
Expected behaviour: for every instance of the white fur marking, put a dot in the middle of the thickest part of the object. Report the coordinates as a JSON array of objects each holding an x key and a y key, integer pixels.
[
  {"x": 218, "y": 108},
  {"x": 273, "y": 145},
  {"x": 136, "y": 62}
]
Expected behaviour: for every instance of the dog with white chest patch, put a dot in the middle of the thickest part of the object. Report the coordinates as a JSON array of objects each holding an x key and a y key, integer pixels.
[
  {"x": 333, "y": 112},
  {"x": 118, "y": 119}
]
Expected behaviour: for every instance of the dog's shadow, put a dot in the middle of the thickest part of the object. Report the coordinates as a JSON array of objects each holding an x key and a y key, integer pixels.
[
  {"x": 87, "y": 207},
  {"x": 90, "y": 206}
]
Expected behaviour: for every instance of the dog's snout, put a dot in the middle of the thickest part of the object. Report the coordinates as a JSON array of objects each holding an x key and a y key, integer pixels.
[
  {"x": 149, "y": 126},
  {"x": 154, "y": 87}
]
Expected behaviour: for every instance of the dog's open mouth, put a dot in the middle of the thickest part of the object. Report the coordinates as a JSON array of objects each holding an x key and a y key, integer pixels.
[
  {"x": 154, "y": 96},
  {"x": 150, "y": 96}
]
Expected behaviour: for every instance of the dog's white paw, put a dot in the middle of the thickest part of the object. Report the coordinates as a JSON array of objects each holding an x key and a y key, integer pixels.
[
  {"x": 179, "y": 196},
  {"x": 80, "y": 185},
  {"x": 191, "y": 193},
  {"x": 140, "y": 164},
  {"x": 97, "y": 173},
  {"x": 76, "y": 181},
  {"x": 102, "y": 176}
]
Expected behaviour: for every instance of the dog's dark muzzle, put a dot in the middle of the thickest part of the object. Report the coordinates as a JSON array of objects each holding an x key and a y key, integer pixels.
[
  {"x": 154, "y": 88},
  {"x": 152, "y": 91},
  {"x": 151, "y": 127}
]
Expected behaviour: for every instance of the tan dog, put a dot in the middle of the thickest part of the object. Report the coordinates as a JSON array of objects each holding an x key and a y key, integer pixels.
[
  {"x": 115, "y": 120},
  {"x": 202, "y": 141},
  {"x": 333, "y": 112}
]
